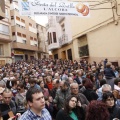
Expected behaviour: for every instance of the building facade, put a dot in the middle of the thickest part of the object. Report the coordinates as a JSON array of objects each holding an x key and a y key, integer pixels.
[
  {"x": 94, "y": 38},
  {"x": 5, "y": 32},
  {"x": 59, "y": 37},
  {"x": 42, "y": 42},
  {"x": 24, "y": 35}
]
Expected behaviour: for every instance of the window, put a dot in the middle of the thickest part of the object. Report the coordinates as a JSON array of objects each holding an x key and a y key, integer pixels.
[
  {"x": 31, "y": 38},
  {"x": 30, "y": 24},
  {"x": 24, "y": 35},
  {"x": 17, "y": 18},
  {"x": 1, "y": 49},
  {"x": 12, "y": 17},
  {"x": 13, "y": 33},
  {"x": 54, "y": 37},
  {"x": 35, "y": 39},
  {"x": 19, "y": 34},
  {"x": 4, "y": 29},
  {"x": 23, "y": 21},
  {"x": 50, "y": 38},
  {"x": 84, "y": 51}
]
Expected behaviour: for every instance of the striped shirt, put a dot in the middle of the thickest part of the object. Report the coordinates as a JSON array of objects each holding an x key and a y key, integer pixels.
[{"x": 30, "y": 115}]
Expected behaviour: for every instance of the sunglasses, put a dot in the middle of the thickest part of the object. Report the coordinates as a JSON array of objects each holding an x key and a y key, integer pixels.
[{"x": 18, "y": 89}]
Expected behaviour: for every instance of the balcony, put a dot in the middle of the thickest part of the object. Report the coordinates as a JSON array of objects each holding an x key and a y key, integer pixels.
[
  {"x": 19, "y": 23},
  {"x": 34, "y": 30},
  {"x": 59, "y": 19},
  {"x": 18, "y": 29},
  {"x": 5, "y": 38},
  {"x": 19, "y": 39},
  {"x": 17, "y": 45},
  {"x": 33, "y": 43},
  {"x": 53, "y": 46},
  {"x": 63, "y": 39}
]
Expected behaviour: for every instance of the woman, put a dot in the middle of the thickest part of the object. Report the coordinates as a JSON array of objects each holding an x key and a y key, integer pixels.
[
  {"x": 72, "y": 110},
  {"x": 48, "y": 83},
  {"x": 44, "y": 90},
  {"x": 94, "y": 81},
  {"x": 89, "y": 92},
  {"x": 20, "y": 98},
  {"x": 97, "y": 110},
  {"x": 116, "y": 91},
  {"x": 109, "y": 100}
]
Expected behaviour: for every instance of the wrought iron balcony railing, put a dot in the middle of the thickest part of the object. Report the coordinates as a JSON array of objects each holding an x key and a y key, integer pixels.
[{"x": 63, "y": 39}]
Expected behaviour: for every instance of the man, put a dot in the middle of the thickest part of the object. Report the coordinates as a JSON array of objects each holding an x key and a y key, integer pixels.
[
  {"x": 55, "y": 84},
  {"x": 1, "y": 91},
  {"x": 36, "y": 102},
  {"x": 65, "y": 75},
  {"x": 33, "y": 84},
  {"x": 79, "y": 78},
  {"x": 70, "y": 80},
  {"x": 74, "y": 87},
  {"x": 62, "y": 94},
  {"x": 7, "y": 106},
  {"x": 103, "y": 89}
]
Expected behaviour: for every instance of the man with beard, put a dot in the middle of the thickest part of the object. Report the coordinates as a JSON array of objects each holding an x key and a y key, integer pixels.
[
  {"x": 62, "y": 94},
  {"x": 36, "y": 102}
]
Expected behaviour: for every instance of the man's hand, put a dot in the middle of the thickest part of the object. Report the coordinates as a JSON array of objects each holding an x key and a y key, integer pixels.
[{"x": 14, "y": 118}]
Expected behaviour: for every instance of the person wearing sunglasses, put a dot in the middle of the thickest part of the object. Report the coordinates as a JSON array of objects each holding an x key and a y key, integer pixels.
[{"x": 20, "y": 98}]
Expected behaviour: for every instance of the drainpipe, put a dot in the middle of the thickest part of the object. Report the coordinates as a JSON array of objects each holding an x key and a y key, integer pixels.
[{"x": 114, "y": 9}]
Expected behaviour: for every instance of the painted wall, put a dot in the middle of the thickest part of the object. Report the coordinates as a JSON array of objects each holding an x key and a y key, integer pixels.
[
  {"x": 97, "y": 18},
  {"x": 104, "y": 43},
  {"x": 60, "y": 50}
]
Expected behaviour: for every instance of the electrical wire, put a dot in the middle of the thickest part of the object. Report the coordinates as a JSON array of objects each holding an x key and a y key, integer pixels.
[{"x": 98, "y": 4}]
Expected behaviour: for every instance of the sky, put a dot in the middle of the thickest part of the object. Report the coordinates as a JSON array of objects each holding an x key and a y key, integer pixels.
[{"x": 42, "y": 20}]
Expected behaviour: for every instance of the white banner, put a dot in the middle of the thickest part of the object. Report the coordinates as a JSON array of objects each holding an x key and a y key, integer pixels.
[{"x": 53, "y": 8}]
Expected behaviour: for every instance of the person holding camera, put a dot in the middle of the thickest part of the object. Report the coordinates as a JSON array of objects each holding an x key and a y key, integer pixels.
[{"x": 8, "y": 107}]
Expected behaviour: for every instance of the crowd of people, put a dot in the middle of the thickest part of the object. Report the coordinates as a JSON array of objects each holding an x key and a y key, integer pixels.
[{"x": 55, "y": 89}]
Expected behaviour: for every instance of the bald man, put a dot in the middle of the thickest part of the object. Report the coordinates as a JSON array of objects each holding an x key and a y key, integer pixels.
[{"x": 74, "y": 87}]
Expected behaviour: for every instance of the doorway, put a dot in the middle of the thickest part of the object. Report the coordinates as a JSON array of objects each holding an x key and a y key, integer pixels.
[
  {"x": 63, "y": 55},
  {"x": 56, "y": 56},
  {"x": 69, "y": 52}
]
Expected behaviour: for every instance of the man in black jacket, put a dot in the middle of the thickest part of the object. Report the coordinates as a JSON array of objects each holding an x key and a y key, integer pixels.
[{"x": 7, "y": 106}]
